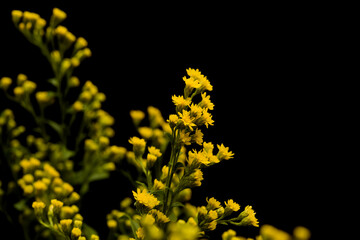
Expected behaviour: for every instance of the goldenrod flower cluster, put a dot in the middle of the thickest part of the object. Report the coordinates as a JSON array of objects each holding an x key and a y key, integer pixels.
[{"x": 169, "y": 154}]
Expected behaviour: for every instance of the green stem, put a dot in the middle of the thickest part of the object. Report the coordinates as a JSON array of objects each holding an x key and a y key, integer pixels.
[{"x": 175, "y": 150}]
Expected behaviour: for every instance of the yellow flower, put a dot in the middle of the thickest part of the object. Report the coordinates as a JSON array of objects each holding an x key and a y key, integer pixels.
[
  {"x": 182, "y": 230},
  {"x": 112, "y": 224},
  {"x": 180, "y": 102},
  {"x": 78, "y": 106},
  {"x": 212, "y": 204},
  {"x": 51, "y": 171},
  {"x": 151, "y": 159},
  {"x": 270, "y": 232},
  {"x": 58, "y": 16},
  {"x": 29, "y": 86},
  {"x": 145, "y": 198},
  {"x": 224, "y": 153},
  {"x": 76, "y": 232},
  {"x": 158, "y": 185},
  {"x": 212, "y": 225},
  {"x": 231, "y": 206},
  {"x": 186, "y": 120},
  {"x": 16, "y": 15},
  {"x": 94, "y": 237},
  {"x": 5, "y": 82},
  {"x": 44, "y": 98},
  {"x": 195, "y": 74},
  {"x": 138, "y": 145},
  {"x": 159, "y": 216},
  {"x": 154, "y": 151},
  {"x": 173, "y": 120},
  {"x": 228, "y": 235},
  {"x": 195, "y": 111},
  {"x": 56, "y": 205},
  {"x": 197, "y": 177},
  {"x": 204, "y": 82},
  {"x": 140, "y": 233},
  {"x": 190, "y": 84},
  {"x": 38, "y": 207},
  {"x": 248, "y": 217},
  {"x": 19, "y": 92},
  {"x": 184, "y": 137},
  {"x": 80, "y": 43},
  {"x": 66, "y": 225},
  {"x": 137, "y": 116},
  {"x": 205, "y": 102},
  {"x": 197, "y": 158},
  {"x": 212, "y": 215},
  {"x": 145, "y": 132},
  {"x": 302, "y": 233},
  {"x": 197, "y": 136},
  {"x": 39, "y": 186}
]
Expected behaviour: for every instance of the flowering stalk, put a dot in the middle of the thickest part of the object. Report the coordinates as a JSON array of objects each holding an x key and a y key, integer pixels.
[{"x": 175, "y": 151}]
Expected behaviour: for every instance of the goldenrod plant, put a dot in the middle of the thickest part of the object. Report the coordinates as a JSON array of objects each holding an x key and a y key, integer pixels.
[{"x": 169, "y": 154}]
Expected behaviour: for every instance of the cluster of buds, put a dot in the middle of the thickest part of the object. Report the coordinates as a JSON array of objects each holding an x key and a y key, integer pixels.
[
  {"x": 214, "y": 213},
  {"x": 35, "y": 30},
  {"x": 8, "y": 124},
  {"x": 63, "y": 220},
  {"x": 43, "y": 182},
  {"x": 157, "y": 129}
]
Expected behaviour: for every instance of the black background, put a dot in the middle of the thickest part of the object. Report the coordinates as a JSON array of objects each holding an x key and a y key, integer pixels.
[{"x": 266, "y": 66}]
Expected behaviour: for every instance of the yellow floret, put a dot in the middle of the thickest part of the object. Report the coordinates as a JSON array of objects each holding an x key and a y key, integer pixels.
[{"x": 145, "y": 198}]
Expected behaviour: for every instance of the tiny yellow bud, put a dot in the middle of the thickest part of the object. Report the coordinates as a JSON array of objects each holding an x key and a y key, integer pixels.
[
  {"x": 38, "y": 208},
  {"x": 58, "y": 16},
  {"x": 40, "y": 23},
  {"x": 65, "y": 65},
  {"x": 80, "y": 43},
  {"x": 44, "y": 98},
  {"x": 78, "y": 223},
  {"x": 55, "y": 56},
  {"x": 66, "y": 225},
  {"x": 87, "y": 52},
  {"x": 110, "y": 166},
  {"x": 137, "y": 116},
  {"x": 112, "y": 224},
  {"x": 21, "y": 78},
  {"x": 90, "y": 145},
  {"x": 75, "y": 232},
  {"x": 138, "y": 145},
  {"x": 16, "y": 15},
  {"x": 57, "y": 205},
  {"x": 302, "y": 233},
  {"x": 19, "y": 92},
  {"x": 29, "y": 86},
  {"x": 74, "y": 82},
  {"x": 94, "y": 237},
  {"x": 5, "y": 82},
  {"x": 78, "y": 106},
  {"x": 61, "y": 31}
]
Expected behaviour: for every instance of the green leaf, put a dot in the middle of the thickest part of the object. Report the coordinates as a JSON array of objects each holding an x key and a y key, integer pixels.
[
  {"x": 177, "y": 204},
  {"x": 54, "y": 125},
  {"x": 88, "y": 231},
  {"x": 67, "y": 153},
  {"x": 141, "y": 184},
  {"x": 54, "y": 82},
  {"x": 99, "y": 175},
  {"x": 20, "y": 205}
]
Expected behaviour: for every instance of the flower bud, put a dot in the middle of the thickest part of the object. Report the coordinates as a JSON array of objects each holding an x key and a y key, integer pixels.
[
  {"x": 5, "y": 82},
  {"x": 16, "y": 16},
  {"x": 58, "y": 16}
]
